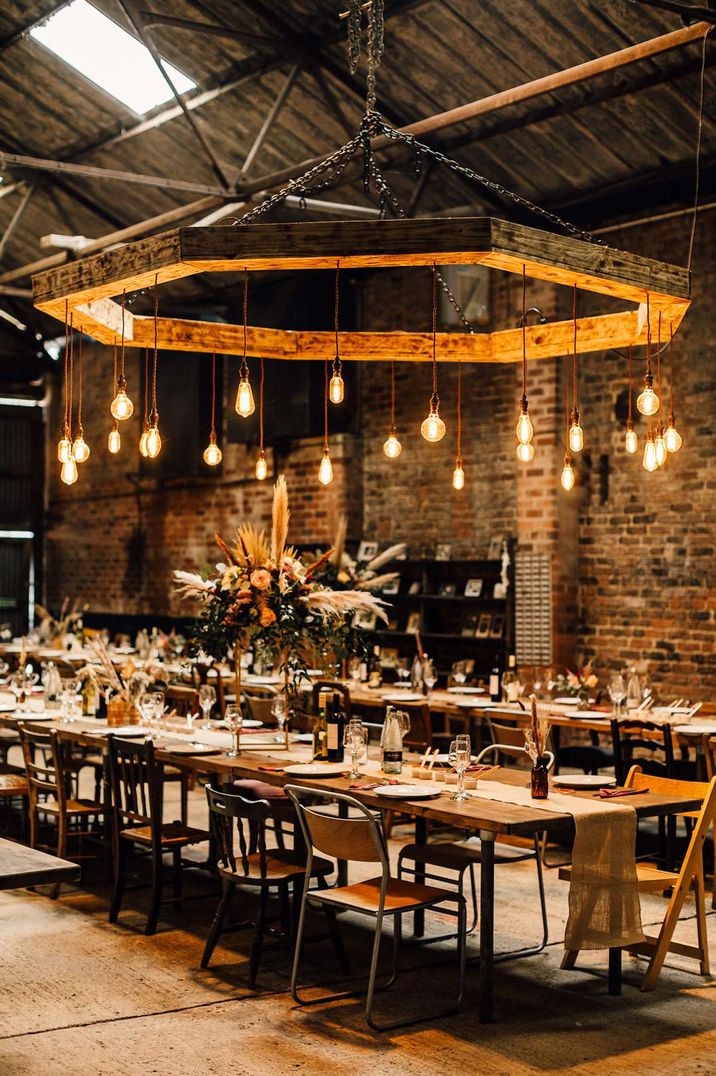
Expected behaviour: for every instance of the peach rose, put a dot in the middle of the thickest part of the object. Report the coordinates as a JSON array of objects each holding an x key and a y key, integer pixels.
[
  {"x": 268, "y": 617},
  {"x": 261, "y": 579}
]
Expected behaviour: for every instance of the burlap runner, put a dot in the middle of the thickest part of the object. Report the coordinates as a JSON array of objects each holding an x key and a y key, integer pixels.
[{"x": 604, "y": 906}]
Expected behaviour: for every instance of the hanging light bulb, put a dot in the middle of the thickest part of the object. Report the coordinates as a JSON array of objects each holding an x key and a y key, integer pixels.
[
  {"x": 525, "y": 453},
  {"x": 392, "y": 447},
  {"x": 672, "y": 437},
  {"x": 68, "y": 472},
  {"x": 212, "y": 452},
  {"x": 647, "y": 401},
  {"x": 154, "y": 441},
  {"x": 576, "y": 433},
  {"x": 80, "y": 448},
  {"x": 432, "y": 427},
  {"x": 143, "y": 440},
  {"x": 336, "y": 389},
  {"x": 64, "y": 447},
  {"x": 458, "y": 475},
  {"x": 660, "y": 445},
  {"x": 567, "y": 477},
  {"x": 262, "y": 466},
  {"x": 524, "y": 429},
  {"x": 630, "y": 441},
  {"x": 649, "y": 462},
  {"x": 121, "y": 407},
  {"x": 325, "y": 471},
  {"x": 245, "y": 405},
  {"x": 114, "y": 441}
]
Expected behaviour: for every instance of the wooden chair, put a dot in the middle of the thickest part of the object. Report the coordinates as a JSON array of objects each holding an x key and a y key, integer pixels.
[
  {"x": 201, "y": 673},
  {"x": 331, "y": 687},
  {"x": 137, "y": 806},
  {"x": 255, "y": 867},
  {"x": 383, "y": 896},
  {"x": 183, "y": 699},
  {"x": 653, "y": 880},
  {"x": 650, "y": 745},
  {"x": 48, "y": 775},
  {"x": 258, "y": 706}
]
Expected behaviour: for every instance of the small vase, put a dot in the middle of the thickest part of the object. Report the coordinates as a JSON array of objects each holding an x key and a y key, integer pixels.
[
  {"x": 540, "y": 778},
  {"x": 117, "y": 712},
  {"x": 583, "y": 703}
]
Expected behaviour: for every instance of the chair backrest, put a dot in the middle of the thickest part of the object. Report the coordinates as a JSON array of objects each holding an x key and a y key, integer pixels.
[
  {"x": 331, "y": 687},
  {"x": 357, "y": 837},
  {"x": 508, "y": 738},
  {"x": 136, "y": 780},
  {"x": 44, "y": 758},
  {"x": 670, "y": 786},
  {"x": 420, "y": 734},
  {"x": 251, "y": 816},
  {"x": 203, "y": 673},
  {"x": 259, "y": 706},
  {"x": 496, "y": 751},
  {"x": 709, "y": 746},
  {"x": 641, "y": 741},
  {"x": 183, "y": 699}
]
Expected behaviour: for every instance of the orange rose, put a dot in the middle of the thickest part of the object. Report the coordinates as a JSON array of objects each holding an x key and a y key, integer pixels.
[
  {"x": 268, "y": 617},
  {"x": 261, "y": 579}
]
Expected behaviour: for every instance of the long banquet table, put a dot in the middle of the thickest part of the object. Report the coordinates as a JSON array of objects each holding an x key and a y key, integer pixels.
[{"x": 490, "y": 819}]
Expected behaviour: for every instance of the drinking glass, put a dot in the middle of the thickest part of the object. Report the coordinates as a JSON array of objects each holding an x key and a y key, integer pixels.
[
  {"x": 355, "y": 740},
  {"x": 278, "y": 709},
  {"x": 233, "y": 718},
  {"x": 617, "y": 693},
  {"x": 157, "y": 707},
  {"x": 145, "y": 705},
  {"x": 16, "y": 683},
  {"x": 403, "y": 670},
  {"x": 355, "y": 667},
  {"x": 69, "y": 701},
  {"x": 459, "y": 672},
  {"x": 403, "y": 722},
  {"x": 459, "y": 757},
  {"x": 207, "y": 698},
  {"x": 430, "y": 676}
]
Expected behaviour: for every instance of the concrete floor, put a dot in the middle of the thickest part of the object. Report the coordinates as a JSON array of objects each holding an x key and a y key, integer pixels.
[{"x": 82, "y": 996}]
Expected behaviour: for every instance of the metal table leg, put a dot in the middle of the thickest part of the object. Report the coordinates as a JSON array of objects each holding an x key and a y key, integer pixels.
[
  {"x": 487, "y": 931},
  {"x": 615, "y": 972},
  {"x": 421, "y": 835}
]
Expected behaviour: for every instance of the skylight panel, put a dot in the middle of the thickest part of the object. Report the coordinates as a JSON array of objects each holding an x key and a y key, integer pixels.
[{"x": 108, "y": 56}]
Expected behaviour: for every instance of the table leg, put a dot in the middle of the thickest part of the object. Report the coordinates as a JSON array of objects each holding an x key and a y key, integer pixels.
[
  {"x": 421, "y": 836},
  {"x": 487, "y": 925},
  {"x": 342, "y": 864},
  {"x": 615, "y": 972}
]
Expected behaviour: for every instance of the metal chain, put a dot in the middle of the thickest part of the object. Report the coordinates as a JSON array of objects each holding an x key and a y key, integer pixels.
[{"x": 374, "y": 42}]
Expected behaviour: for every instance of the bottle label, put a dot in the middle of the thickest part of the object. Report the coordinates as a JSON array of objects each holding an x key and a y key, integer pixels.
[
  {"x": 332, "y": 736},
  {"x": 392, "y": 761},
  {"x": 494, "y": 685}
]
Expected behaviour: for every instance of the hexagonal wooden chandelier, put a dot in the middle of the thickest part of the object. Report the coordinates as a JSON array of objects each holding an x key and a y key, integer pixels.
[{"x": 91, "y": 286}]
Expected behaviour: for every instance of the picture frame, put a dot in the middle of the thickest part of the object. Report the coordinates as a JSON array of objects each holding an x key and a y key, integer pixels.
[
  {"x": 443, "y": 551},
  {"x": 447, "y": 590},
  {"x": 484, "y": 625},
  {"x": 499, "y": 590},
  {"x": 392, "y": 586},
  {"x": 494, "y": 550},
  {"x": 473, "y": 588},
  {"x": 367, "y": 550},
  {"x": 412, "y": 626},
  {"x": 469, "y": 625},
  {"x": 365, "y": 620},
  {"x": 497, "y": 627}
]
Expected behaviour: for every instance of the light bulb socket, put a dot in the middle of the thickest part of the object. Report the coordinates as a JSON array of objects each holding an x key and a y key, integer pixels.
[
  {"x": 337, "y": 366},
  {"x": 121, "y": 383},
  {"x": 434, "y": 404},
  {"x": 524, "y": 406},
  {"x": 574, "y": 416},
  {"x": 630, "y": 424},
  {"x": 648, "y": 380},
  {"x": 567, "y": 460}
]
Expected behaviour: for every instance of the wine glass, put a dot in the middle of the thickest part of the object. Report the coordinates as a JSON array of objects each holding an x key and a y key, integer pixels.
[
  {"x": 459, "y": 757},
  {"x": 430, "y": 676},
  {"x": 459, "y": 672},
  {"x": 157, "y": 707},
  {"x": 279, "y": 711},
  {"x": 355, "y": 740},
  {"x": 617, "y": 693},
  {"x": 355, "y": 668},
  {"x": 145, "y": 705},
  {"x": 207, "y": 698},
  {"x": 16, "y": 683},
  {"x": 403, "y": 669},
  {"x": 233, "y": 719},
  {"x": 69, "y": 700},
  {"x": 403, "y": 722}
]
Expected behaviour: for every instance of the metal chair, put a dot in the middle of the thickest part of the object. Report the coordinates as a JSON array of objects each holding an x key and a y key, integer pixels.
[
  {"x": 460, "y": 858},
  {"x": 137, "y": 805},
  {"x": 379, "y": 897},
  {"x": 255, "y": 867}
]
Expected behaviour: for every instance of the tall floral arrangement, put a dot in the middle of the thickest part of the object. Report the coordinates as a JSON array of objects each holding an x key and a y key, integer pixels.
[{"x": 262, "y": 594}]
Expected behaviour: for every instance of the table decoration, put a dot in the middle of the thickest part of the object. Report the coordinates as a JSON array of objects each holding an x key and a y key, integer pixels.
[
  {"x": 121, "y": 688},
  {"x": 536, "y": 736},
  {"x": 578, "y": 684},
  {"x": 51, "y": 629}
]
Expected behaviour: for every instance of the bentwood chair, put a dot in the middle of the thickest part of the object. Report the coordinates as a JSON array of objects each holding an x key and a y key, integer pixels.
[
  {"x": 254, "y": 868},
  {"x": 48, "y": 771},
  {"x": 378, "y": 898},
  {"x": 653, "y": 880},
  {"x": 137, "y": 806},
  {"x": 460, "y": 857}
]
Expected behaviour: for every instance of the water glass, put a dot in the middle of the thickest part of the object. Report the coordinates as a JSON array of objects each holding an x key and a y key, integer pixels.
[
  {"x": 459, "y": 672},
  {"x": 355, "y": 741},
  {"x": 430, "y": 676},
  {"x": 279, "y": 711},
  {"x": 207, "y": 698},
  {"x": 233, "y": 719},
  {"x": 617, "y": 693},
  {"x": 459, "y": 757},
  {"x": 145, "y": 705}
]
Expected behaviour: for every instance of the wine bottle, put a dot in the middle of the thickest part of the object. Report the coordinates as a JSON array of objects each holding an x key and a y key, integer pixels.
[
  {"x": 391, "y": 742},
  {"x": 496, "y": 681},
  {"x": 335, "y": 723},
  {"x": 320, "y": 753}
]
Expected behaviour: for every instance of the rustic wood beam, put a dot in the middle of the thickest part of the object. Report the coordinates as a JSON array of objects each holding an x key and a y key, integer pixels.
[
  {"x": 247, "y": 37},
  {"x": 269, "y": 120},
  {"x": 15, "y": 220},
  {"x": 111, "y": 175},
  {"x": 24, "y": 29}
]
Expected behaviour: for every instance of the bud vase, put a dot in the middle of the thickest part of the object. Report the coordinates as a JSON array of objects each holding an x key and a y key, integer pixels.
[{"x": 540, "y": 778}]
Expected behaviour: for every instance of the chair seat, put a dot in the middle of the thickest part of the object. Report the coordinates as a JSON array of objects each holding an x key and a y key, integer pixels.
[
  {"x": 80, "y": 761},
  {"x": 13, "y": 784},
  {"x": 400, "y": 896},
  {"x": 173, "y": 834},
  {"x": 649, "y": 878},
  {"x": 80, "y": 806},
  {"x": 280, "y": 865}
]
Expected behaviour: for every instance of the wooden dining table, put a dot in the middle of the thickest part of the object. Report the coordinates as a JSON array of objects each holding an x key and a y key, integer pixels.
[{"x": 490, "y": 819}]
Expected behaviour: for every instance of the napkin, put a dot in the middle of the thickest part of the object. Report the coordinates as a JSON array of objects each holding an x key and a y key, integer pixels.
[{"x": 612, "y": 793}]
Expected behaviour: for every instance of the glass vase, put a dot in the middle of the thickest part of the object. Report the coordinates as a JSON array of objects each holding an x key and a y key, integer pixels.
[{"x": 540, "y": 778}]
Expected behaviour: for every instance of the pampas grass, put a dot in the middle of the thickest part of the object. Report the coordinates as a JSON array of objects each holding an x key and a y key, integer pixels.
[
  {"x": 537, "y": 732},
  {"x": 280, "y": 516},
  {"x": 331, "y": 604}
]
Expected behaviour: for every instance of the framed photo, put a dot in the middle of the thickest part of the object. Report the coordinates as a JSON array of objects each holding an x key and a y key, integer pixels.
[
  {"x": 494, "y": 550},
  {"x": 473, "y": 588},
  {"x": 414, "y": 587},
  {"x": 443, "y": 551},
  {"x": 483, "y": 626},
  {"x": 365, "y": 619},
  {"x": 389, "y": 655},
  {"x": 413, "y": 625},
  {"x": 497, "y": 628},
  {"x": 393, "y": 624},
  {"x": 469, "y": 626},
  {"x": 500, "y": 590},
  {"x": 447, "y": 590},
  {"x": 392, "y": 586},
  {"x": 367, "y": 550}
]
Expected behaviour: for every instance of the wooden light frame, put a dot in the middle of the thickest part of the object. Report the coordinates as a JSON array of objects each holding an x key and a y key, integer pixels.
[{"x": 89, "y": 285}]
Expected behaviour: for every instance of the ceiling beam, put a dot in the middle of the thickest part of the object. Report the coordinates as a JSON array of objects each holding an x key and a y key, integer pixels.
[
  {"x": 112, "y": 175},
  {"x": 24, "y": 29},
  {"x": 15, "y": 220},
  {"x": 247, "y": 37}
]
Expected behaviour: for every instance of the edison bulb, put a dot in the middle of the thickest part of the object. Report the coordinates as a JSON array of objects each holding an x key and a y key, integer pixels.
[
  {"x": 325, "y": 471},
  {"x": 567, "y": 477},
  {"x": 660, "y": 447},
  {"x": 336, "y": 388},
  {"x": 80, "y": 449},
  {"x": 630, "y": 442},
  {"x": 672, "y": 437},
  {"x": 524, "y": 428},
  {"x": 392, "y": 447},
  {"x": 212, "y": 452},
  {"x": 458, "y": 476},
  {"x": 68, "y": 473},
  {"x": 154, "y": 443},
  {"x": 261, "y": 466},
  {"x": 576, "y": 437},
  {"x": 143, "y": 441},
  {"x": 114, "y": 441},
  {"x": 433, "y": 427},
  {"x": 525, "y": 453},
  {"x": 649, "y": 460},
  {"x": 121, "y": 407},
  {"x": 245, "y": 405},
  {"x": 64, "y": 449},
  {"x": 647, "y": 401}
]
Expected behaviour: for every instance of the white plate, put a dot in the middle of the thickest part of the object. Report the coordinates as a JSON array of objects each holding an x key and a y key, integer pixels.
[
  {"x": 665, "y": 711},
  {"x": 126, "y": 732},
  {"x": 7, "y": 707},
  {"x": 302, "y": 737},
  {"x": 591, "y": 715},
  {"x": 36, "y": 717},
  {"x": 583, "y": 780},
  {"x": 422, "y": 791},
  {"x": 250, "y": 678},
  {"x": 405, "y": 696},
  {"x": 316, "y": 769},
  {"x": 462, "y": 690},
  {"x": 568, "y": 700},
  {"x": 469, "y": 704},
  {"x": 445, "y": 758},
  {"x": 696, "y": 730},
  {"x": 249, "y": 723}
]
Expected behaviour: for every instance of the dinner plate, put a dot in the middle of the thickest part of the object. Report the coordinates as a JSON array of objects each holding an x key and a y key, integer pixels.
[
  {"x": 316, "y": 769},
  {"x": 192, "y": 748},
  {"x": 583, "y": 780},
  {"x": 249, "y": 723},
  {"x": 301, "y": 737},
  {"x": 422, "y": 791},
  {"x": 568, "y": 700},
  {"x": 462, "y": 690},
  {"x": 469, "y": 704},
  {"x": 250, "y": 678},
  {"x": 127, "y": 732},
  {"x": 37, "y": 717},
  {"x": 696, "y": 730},
  {"x": 7, "y": 707},
  {"x": 591, "y": 715},
  {"x": 404, "y": 696}
]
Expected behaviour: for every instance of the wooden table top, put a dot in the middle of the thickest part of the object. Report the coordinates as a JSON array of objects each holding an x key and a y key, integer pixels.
[{"x": 21, "y": 866}]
